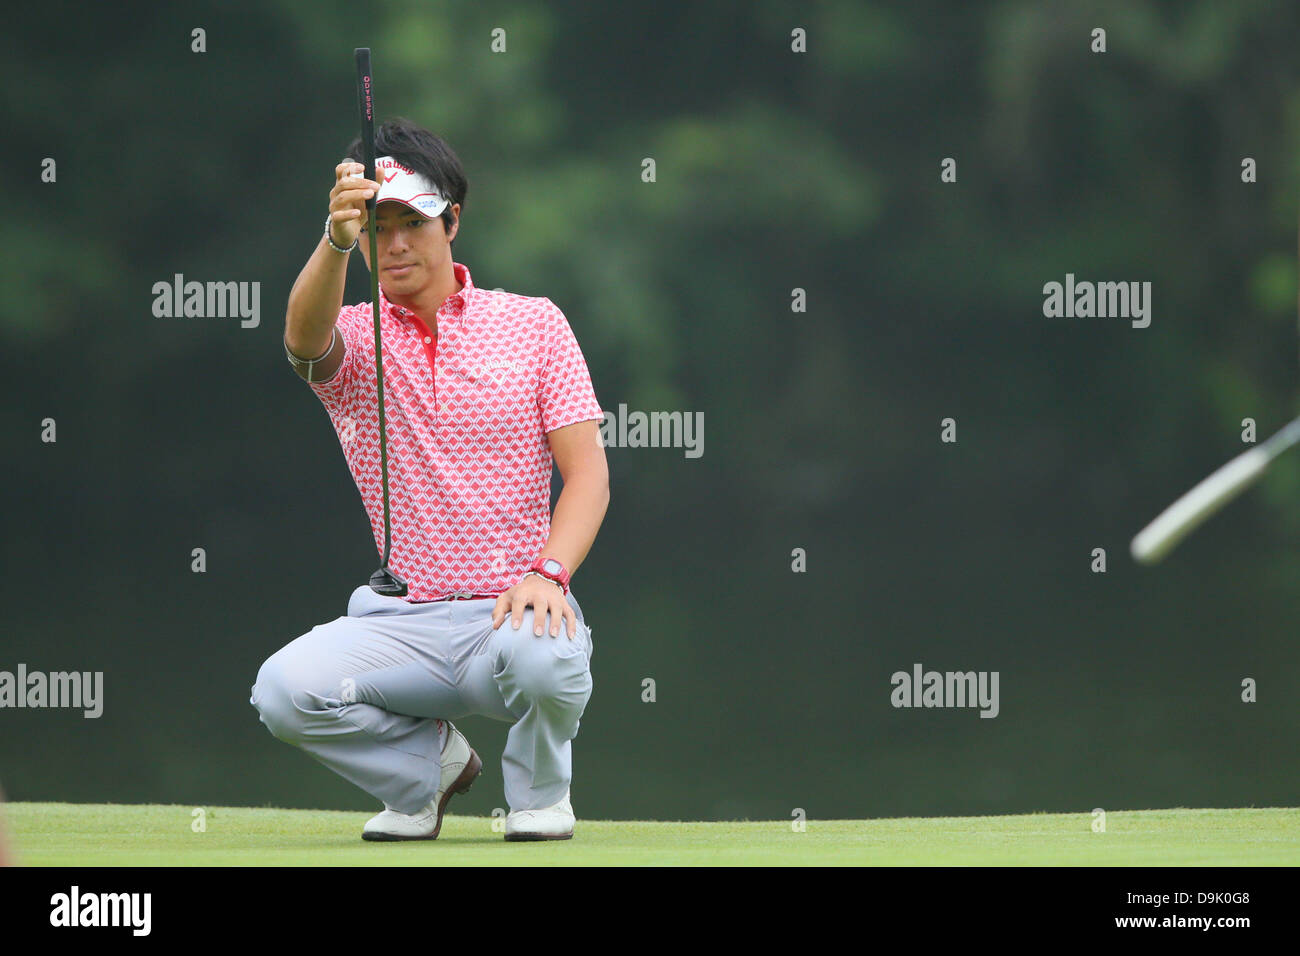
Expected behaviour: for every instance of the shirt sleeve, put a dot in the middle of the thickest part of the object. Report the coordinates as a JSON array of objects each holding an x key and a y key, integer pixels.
[
  {"x": 335, "y": 392},
  {"x": 565, "y": 393}
]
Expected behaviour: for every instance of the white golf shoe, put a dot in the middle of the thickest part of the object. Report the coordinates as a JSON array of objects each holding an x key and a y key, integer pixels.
[
  {"x": 460, "y": 766},
  {"x": 549, "y": 823}
]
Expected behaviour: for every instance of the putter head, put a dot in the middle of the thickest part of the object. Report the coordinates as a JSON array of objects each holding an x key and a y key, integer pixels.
[{"x": 385, "y": 582}]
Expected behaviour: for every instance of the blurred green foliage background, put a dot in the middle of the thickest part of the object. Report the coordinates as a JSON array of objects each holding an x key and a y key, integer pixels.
[{"x": 776, "y": 170}]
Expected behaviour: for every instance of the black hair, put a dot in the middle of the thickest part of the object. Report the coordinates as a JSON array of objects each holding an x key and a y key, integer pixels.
[{"x": 427, "y": 154}]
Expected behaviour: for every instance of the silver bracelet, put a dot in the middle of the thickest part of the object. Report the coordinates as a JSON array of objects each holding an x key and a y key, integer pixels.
[
  {"x": 310, "y": 364},
  {"x": 330, "y": 239},
  {"x": 545, "y": 578}
]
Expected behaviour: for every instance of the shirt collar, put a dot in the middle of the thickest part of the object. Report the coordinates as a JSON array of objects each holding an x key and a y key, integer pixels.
[
  {"x": 461, "y": 298},
  {"x": 463, "y": 277}
]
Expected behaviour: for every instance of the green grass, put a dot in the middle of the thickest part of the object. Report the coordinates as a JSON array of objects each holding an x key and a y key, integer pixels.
[{"x": 65, "y": 834}]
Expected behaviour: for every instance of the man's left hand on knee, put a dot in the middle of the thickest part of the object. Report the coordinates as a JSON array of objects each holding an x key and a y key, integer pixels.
[{"x": 544, "y": 597}]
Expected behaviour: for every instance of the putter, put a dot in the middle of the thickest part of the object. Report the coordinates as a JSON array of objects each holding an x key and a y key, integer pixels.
[
  {"x": 1187, "y": 513},
  {"x": 1211, "y": 494},
  {"x": 383, "y": 581}
]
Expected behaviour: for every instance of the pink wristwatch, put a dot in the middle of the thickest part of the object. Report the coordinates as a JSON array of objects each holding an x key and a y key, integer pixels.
[{"x": 552, "y": 570}]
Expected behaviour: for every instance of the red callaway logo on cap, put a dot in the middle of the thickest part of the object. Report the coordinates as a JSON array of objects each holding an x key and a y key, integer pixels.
[{"x": 393, "y": 164}]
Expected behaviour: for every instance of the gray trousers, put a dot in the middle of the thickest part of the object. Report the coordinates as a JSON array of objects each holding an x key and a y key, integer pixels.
[{"x": 362, "y": 694}]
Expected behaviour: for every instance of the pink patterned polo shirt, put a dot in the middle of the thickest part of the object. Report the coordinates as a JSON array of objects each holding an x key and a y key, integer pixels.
[{"x": 467, "y": 412}]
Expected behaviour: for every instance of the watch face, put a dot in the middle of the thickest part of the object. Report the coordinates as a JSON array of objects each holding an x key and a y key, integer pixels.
[{"x": 552, "y": 566}]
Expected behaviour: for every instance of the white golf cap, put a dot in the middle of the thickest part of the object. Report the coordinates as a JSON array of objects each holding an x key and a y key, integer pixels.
[{"x": 399, "y": 183}]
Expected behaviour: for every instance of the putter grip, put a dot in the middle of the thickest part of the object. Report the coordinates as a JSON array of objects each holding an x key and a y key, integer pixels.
[
  {"x": 366, "y": 107},
  {"x": 1173, "y": 524}
]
